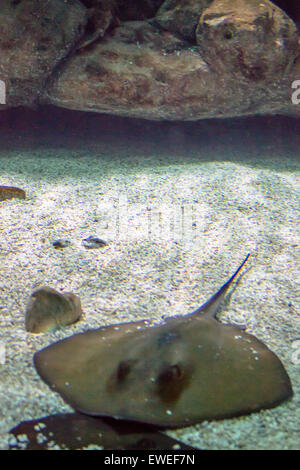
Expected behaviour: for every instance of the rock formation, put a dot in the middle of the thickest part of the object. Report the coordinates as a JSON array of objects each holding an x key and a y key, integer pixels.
[
  {"x": 174, "y": 60},
  {"x": 35, "y": 36}
]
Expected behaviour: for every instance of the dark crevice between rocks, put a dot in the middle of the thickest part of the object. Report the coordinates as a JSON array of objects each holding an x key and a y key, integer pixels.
[
  {"x": 105, "y": 15},
  {"x": 57, "y": 68},
  {"x": 137, "y": 10},
  {"x": 128, "y": 10},
  {"x": 15, "y": 2}
]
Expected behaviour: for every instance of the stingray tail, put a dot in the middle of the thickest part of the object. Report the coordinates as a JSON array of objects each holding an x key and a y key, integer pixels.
[{"x": 211, "y": 307}]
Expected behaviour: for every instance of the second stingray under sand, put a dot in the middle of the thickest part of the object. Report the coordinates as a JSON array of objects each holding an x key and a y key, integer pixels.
[{"x": 188, "y": 369}]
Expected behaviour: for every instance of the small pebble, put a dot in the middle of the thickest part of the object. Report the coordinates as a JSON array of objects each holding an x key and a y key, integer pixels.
[
  {"x": 61, "y": 243},
  {"x": 93, "y": 242},
  {"x": 48, "y": 310}
]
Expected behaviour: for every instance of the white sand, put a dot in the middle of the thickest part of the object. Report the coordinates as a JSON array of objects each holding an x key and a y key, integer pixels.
[{"x": 180, "y": 206}]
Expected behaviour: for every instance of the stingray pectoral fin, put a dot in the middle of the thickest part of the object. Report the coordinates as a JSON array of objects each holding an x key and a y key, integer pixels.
[
  {"x": 63, "y": 365},
  {"x": 211, "y": 306}
]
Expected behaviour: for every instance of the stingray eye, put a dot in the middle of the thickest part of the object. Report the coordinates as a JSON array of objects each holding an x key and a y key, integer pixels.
[
  {"x": 124, "y": 369},
  {"x": 170, "y": 374},
  {"x": 171, "y": 382}
]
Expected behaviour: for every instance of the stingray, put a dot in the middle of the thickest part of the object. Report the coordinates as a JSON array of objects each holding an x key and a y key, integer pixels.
[{"x": 180, "y": 372}]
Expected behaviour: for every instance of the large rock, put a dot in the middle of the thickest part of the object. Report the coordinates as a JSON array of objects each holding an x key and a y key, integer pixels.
[
  {"x": 138, "y": 71},
  {"x": 249, "y": 39},
  {"x": 195, "y": 59},
  {"x": 240, "y": 62},
  {"x": 35, "y": 36}
]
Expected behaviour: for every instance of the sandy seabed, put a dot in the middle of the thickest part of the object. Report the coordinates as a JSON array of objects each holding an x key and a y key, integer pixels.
[{"x": 180, "y": 206}]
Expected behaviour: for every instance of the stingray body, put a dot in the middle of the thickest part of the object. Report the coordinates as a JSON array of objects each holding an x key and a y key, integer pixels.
[{"x": 188, "y": 369}]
